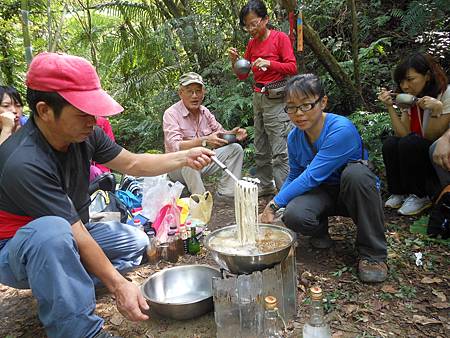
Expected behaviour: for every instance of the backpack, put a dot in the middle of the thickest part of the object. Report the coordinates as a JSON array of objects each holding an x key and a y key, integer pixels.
[
  {"x": 439, "y": 221},
  {"x": 107, "y": 201}
]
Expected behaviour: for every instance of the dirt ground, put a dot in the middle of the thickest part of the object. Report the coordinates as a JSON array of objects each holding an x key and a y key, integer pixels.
[{"x": 412, "y": 302}]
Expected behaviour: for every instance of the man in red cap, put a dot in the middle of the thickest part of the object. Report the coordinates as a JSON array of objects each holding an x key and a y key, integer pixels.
[{"x": 46, "y": 241}]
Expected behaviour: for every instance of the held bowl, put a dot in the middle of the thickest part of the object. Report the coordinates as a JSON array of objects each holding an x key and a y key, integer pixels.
[
  {"x": 405, "y": 100},
  {"x": 181, "y": 292},
  {"x": 248, "y": 263},
  {"x": 231, "y": 138},
  {"x": 242, "y": 66}
]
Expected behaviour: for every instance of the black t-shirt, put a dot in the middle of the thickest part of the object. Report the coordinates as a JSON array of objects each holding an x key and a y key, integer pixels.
[{"x": 36, "y": 180}]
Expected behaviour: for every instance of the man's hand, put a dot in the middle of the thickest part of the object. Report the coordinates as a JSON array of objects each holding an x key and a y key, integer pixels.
[
  {"x": 441, "y": 154},
  {"x": 214, "y": 141},
  {"x": 198, "y": 158},
  {"x": 7, "y": 121},
  {"x": 267, "y": 215},
  {"x": 130, "y": 302},
  {"x": 241, "y": 133}
]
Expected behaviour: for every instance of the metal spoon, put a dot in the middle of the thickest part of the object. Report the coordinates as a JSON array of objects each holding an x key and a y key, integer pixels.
[{"x": 224, "y": 168}]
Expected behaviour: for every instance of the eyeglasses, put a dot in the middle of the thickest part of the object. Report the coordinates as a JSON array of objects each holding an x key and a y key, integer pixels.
[
  {"x": 303, "y": 107},
  {"x": 252, "y": 25},
  {"x": 197, "y": 92}
]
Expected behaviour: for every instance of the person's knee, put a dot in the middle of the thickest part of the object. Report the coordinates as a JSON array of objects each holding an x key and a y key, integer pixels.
[
  {"x": 356, "y": 175},
  {"x": 48, "y": 233},
  {"x": 301, "y": 221}
]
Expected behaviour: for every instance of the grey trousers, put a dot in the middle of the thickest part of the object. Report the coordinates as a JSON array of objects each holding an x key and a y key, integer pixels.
[
  {"x": 357, "y": 197},
  {"x": 272, "y": 126},
  {"x": 443, "y": 174},
  {"x": 232, "y": 155}
]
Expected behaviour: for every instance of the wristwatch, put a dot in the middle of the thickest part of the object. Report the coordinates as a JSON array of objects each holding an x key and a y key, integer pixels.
[
  {"x": 204, "y": 143},
  {"x": 274, "y": 206}
]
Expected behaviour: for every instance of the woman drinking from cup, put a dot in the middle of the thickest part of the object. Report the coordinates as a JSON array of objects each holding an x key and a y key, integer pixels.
[{"x": 425, "y": 116}]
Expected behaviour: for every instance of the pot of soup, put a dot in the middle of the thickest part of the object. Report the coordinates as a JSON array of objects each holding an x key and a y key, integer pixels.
[{"x": 273, "y": 243}]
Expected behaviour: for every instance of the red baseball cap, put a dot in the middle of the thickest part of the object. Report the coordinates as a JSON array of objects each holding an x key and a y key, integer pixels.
[{"x": 75, "y": 79}]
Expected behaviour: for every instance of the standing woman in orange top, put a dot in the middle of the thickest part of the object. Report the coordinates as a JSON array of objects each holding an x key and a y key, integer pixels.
[{"x": 272, "y": 57}]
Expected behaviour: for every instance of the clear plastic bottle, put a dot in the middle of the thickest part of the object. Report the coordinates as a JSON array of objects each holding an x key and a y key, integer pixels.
[
  {"x": 273, "y": 323},
  {"x": 316, "y": 327}
]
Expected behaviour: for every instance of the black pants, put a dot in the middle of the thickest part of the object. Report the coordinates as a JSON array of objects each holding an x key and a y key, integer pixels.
[
  {"x": 408, "y": 166},
  {"x": 357, "y": 197}
]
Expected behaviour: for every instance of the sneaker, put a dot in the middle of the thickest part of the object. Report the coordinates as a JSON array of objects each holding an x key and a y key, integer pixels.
[
  {"x": 414, "y": 205},
  {"x": 105, "y": 334},
  {"x": 395, "y": 201},
  {"x": 266, "y": 191},
  {"x": 371, "y": 271},
  {"x": 321, "y": 242}
]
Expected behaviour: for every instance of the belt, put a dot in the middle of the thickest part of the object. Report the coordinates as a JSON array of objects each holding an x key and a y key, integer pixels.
[{"x": 259, "y": 85}]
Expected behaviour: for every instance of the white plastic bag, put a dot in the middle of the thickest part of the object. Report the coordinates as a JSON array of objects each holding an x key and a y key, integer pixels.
[{"x": 157, "y": 192}]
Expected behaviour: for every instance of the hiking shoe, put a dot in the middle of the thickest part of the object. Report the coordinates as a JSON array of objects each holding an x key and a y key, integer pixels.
[
  {"x": 321, "y": 242},
  {"x": 371, "y": 271},
  {"x": 395, "y": 201},
  {"x": 414, "y": 205},
  {"x": 266, "y": 191},
  {"x": 105, "y": 334}
]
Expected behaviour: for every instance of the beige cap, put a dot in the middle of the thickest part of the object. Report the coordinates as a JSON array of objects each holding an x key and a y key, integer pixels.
[{"x": 191, "y": 77}]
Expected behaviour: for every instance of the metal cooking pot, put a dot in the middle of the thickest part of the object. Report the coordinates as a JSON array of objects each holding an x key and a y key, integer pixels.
[
  {"x": 246, "y": 264},
  {"x": 242, "y": 66},
  {"x": 181, "y": 292}
]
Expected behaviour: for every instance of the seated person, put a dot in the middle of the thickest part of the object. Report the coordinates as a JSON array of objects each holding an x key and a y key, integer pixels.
[
  {"x": 327, "y": 176},
  {"x": 440, "y": 155},
  {"x": 96, "y": 168},
  {"x": 46, "y": 242},
  {"x": 188, "y": 124},
  {"x": 410, "y": 175},
  {"x": 11, "y": 117}
]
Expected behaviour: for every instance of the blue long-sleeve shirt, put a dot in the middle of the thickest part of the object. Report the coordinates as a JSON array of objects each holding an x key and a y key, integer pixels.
[{"x": 339, "y": 143}]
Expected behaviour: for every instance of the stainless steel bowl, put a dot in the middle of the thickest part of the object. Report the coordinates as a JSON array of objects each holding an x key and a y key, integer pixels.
[
  {"x": 242, "y": 66},
  {"x": 181, "y": 292},
  {"x": 405, "y": 100},
  {"x": 245, "y": 264}
]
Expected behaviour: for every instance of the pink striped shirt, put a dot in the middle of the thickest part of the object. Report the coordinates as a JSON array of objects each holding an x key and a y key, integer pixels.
[{"x": 181, "y": 125}]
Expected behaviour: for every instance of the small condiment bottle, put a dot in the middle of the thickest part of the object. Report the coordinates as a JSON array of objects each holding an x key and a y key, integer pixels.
[
  {"x": 138, "y": 224},
  {"x": 172, "y": 249},
  {"x": 193, "y": 243},
  {"x": 184, "y": 237},
  {"x": 152, "y": 250}
]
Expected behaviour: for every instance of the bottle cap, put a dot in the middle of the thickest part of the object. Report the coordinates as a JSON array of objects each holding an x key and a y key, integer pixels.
[
  {"x": 316, "y": 293},
  {"x": 270, "y": 303},
  {"x": 137, "y": 221}
]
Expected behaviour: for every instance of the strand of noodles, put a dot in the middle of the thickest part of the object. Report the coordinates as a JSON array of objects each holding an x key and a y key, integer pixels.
[{"x": 246, "y": 209}]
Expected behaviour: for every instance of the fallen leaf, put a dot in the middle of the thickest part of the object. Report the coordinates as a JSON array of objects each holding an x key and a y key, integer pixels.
[
  {"x": 441, "y": 305},
  {"x": 440, "y": 295},
  {"x": 388, "y": 288},
  {"x": 349, "y": 308},
  {"x": 117, "y": 319},
  {"x": 338, "y": 334},
  {"x": 424, "y": 320},
  {"x": 428, "y": 280}
]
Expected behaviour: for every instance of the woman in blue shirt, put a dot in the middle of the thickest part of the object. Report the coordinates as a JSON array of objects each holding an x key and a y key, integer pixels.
[{"x": 328, "y": 176}]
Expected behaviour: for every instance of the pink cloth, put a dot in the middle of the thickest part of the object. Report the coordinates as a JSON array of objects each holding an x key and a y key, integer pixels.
[
  {"x": 180, "y": 125},
  {"x": 277, "y": 48},
  {"x": 96, "y": 168}
]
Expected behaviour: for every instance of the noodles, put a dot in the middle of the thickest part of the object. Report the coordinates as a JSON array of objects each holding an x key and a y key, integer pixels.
[{"x": 246, "y": 208}]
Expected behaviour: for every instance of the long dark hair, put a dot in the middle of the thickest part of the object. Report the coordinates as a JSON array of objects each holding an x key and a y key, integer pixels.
[
  {"x": 307, "y": 84},
  {"x": 423, "y": 63},
  {"x": 256, "y": 6}
]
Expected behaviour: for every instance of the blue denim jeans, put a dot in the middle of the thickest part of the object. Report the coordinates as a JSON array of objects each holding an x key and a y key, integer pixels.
[{"x": 43, "y": 256}]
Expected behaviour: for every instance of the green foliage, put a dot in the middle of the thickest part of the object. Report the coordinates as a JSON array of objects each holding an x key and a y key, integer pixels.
[{"x": 372, "y": 127}]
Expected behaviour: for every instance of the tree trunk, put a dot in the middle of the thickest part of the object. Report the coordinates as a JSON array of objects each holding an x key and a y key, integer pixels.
[
  {"x": 355, "y": 45},
  {"x": 26, "y": 32}
]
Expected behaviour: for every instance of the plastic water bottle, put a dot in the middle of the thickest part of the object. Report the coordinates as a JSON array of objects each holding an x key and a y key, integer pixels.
[
  {"x": 273, "y": 324},
  {"x": 138, "y": 224},
  {"x": 316, "y": 327}
]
